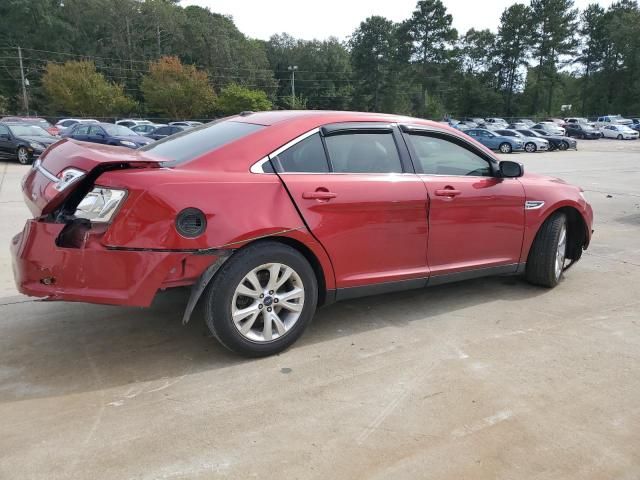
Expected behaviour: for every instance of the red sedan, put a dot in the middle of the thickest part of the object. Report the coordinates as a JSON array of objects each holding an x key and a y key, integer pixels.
[{"x": 269, "y": 215}]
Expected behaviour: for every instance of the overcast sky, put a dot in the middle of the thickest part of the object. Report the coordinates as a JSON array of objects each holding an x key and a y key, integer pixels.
[{"x": 321, "y": 19}]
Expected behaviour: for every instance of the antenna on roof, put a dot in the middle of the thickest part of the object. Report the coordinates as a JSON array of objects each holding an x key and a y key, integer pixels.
[{"x": 246, "y": 113}]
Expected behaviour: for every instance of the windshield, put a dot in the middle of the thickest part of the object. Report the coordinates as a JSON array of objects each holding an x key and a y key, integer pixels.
[
  {"x": 115, "y": 130},
  {"x": 192, "y": 143},
  {"x": 29, "y": 131}
]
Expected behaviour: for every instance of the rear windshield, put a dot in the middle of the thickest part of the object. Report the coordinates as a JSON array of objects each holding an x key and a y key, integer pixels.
[{"x": 190, "y": 144}]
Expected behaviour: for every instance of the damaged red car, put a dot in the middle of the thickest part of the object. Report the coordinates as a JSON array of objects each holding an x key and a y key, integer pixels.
[{"x": 267, "y": 216}]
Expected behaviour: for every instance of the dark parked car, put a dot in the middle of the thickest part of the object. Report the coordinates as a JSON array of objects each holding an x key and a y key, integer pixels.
[
  {"x": 582, "y": 130},
  {"x": 562, "y": 142},
  {"x": 24, "y": 141},
  {"x": 162, "y": 132},
  {"x": 635, "y": 124},
  {"x": 107, "y": 134},
  {"x": 41, "y": 122}
]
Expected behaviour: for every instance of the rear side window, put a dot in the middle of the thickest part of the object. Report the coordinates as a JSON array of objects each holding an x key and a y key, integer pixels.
[
  {"x": 437, "y": 156},
  {"x": 306, "y": 156},
  {"x": 363, "y": 153},
  {"x": 82, "y": 130},
  {"x": 187, "y": 145}
]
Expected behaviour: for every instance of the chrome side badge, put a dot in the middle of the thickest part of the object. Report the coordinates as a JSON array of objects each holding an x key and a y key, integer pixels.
[{"x": 533, "y": 204}]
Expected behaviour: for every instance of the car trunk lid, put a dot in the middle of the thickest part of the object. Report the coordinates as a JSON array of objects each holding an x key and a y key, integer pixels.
[{"x": 68, "y": 164}]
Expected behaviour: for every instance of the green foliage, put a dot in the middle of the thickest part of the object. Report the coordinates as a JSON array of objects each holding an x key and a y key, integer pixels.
[
  {"x": 176, "y": 90},
  {"x": 77, "y": 88},
  {"x": 544, "y": 54},
  {"x": 235, "y": 98}
]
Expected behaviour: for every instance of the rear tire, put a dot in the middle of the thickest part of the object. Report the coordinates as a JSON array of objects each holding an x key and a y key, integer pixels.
[
  {"x": 505, "y": 147},
  {"x": 546, "y": 258},
  {"x": 275, "y": 321},
  {"x": 530, "y": 147}
]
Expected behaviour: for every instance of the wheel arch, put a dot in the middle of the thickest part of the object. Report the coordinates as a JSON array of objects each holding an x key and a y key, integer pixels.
[
  {"x": 578, "y": 233},
  {"x": 310, "y": 256}
]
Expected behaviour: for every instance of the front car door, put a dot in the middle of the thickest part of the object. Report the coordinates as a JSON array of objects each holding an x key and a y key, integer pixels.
[
  {"x": 476, "y": 219},
  {"x": 356, "y": 190}
]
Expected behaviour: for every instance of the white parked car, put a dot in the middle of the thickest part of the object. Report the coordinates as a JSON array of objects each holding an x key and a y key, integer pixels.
[
  {"x": 551, "y": 128},
  {"x": 496, "y": 121},
  {"x": 132, "y": 122},
  {"x": 531, "y": 144},
  {"x": 67, "y": 123},
  {"x": 612, "y": 120},
  {"x": 620, "y": 132}
]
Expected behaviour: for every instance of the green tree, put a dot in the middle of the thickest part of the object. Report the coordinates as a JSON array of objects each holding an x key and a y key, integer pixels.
[
  {"x": 553, "y": 36},
  {"x": 512, "y": 49},
  {"x": 176, "y": 90},
  {"x": 379, "y": 64},
  {"x": 431, "y": 37},
  {"x": 593, "y": 44},
  {"x": 77, "y": 88},
  {"x": 235, "y": 98}
]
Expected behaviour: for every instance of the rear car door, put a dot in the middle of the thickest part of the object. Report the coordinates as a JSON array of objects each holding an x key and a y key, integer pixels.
[
  {"x": 80, "y": 132},
  {"x": 476, "y": 220},
  {"x": 7, "y": 145},
  {"x": 356, "y": 190}
]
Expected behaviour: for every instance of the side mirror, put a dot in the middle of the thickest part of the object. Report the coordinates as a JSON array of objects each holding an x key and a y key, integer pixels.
[{"x": 509, "y": 169}]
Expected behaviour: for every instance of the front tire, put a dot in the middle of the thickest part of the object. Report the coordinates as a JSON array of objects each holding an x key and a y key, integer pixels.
[
  {"x": 505, "y": 147},
  {"x": 530, "y": 147},
  {"x": 619, "y": 137},
  {"x": 261, "y": 300},
  {"x": 563, "y": 146},
  {"x": 548, "y": 252},
  {"x": 24, "y": 158}
]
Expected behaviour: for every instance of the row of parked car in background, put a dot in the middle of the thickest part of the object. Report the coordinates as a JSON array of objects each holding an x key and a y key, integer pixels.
[
  {"x": 25, "y": 138},
  {"x": 550, "y": 134}
]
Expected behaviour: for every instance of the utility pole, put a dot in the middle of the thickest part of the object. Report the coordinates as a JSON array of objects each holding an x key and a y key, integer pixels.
[
  {"x": 25, "y": 99},
  {"x": 292, "y": 69}
]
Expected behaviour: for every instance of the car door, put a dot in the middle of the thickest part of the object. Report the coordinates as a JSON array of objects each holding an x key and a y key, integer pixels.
[
  {"x": 355, "y": 188},
  {"x": 80, "y": 132},
  {"x": 97, "y": 134},
  {"x": 7, "y": 144},
  {"x": 476, "y": 220}
]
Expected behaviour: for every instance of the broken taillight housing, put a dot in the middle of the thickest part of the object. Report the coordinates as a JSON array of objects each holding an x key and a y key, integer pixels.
[{"x": 100, "y": 204}]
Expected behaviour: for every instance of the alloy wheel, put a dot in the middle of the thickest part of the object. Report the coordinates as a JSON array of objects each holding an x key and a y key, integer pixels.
[
  {"x": 530, "y": 147},
  {"x": 23, "y": 156},
  {"x": 561, "y": 250},
  {"x": 268, "y": 302},
  {"x": 505, "y": 148}
]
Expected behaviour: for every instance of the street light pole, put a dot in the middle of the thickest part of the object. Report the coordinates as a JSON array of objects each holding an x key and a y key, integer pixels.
[
  {"x": 25, "y": 100},
  {"x": 292, "y": 69}
]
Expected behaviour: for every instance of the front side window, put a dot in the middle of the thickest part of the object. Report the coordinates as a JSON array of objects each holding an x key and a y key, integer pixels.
[
  {"x": 363, "y": 153},
  {"x": 306, "y": 156},
  {"x": 4, "y": 130},
  {"x": 438, "y": 156}
]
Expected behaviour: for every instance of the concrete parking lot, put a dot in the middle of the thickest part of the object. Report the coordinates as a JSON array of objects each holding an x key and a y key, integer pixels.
[{"x": 486, "y": 379}]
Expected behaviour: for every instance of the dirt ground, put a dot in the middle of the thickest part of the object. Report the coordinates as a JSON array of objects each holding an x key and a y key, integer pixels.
[{"x": 486, "y": 379}]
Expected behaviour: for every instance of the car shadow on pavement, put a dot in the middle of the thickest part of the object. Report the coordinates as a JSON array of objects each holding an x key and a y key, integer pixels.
[{"x": 50, "y": 349}]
